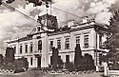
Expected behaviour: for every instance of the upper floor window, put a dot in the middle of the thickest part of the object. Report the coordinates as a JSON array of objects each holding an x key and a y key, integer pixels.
[
  {"x": 86, "y": 41},
  {"x": 78, "y": 40},
  {"x": 59, "y": 44},
  {"x": 51, "y": 45},
  {"x": 31, "y": 47},
  {"x": 21, "y": 49},
  {"x": 26, "y": 48},
  {"x": 100, "y": 41},
  {"x": 67, "y": 43},
  {"x": 39, "y": 45}
]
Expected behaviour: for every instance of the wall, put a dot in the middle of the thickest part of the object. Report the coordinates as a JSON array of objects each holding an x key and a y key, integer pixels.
[{"x": 62, "y": 52}]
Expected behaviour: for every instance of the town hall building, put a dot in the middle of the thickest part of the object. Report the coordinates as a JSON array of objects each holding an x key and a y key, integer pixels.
[{"x": 37, "y": 46}]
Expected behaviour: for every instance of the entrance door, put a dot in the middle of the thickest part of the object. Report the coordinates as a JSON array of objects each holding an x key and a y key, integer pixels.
[{"x": 39, "y": 61}]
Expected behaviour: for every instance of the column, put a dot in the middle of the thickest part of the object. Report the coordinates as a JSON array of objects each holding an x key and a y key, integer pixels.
[
  {"x": 35, "y": 48},
  {"x": 105, "y": 69},
  {"x": 96, "y": 52},
  {"x": 35, "y": 44},
  {"x": 45, "y": 48},
  {"x": 35, "y": 64}
]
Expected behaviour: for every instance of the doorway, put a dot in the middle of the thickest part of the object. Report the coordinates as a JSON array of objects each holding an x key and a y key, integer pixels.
[{"x": 39, "y": 61}]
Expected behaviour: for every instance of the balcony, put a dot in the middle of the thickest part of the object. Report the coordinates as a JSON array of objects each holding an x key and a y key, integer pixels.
[{"x": 37, "y": 52}]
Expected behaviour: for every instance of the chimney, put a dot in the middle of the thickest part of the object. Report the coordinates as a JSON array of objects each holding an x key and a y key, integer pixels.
[
  {"x": 85, "y": 19},
  {"x": 71, "y": 23}
]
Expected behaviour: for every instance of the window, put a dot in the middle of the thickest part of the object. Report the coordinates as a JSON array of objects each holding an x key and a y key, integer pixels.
[
  {"x": 78, "y": 40},
  {"x": 39, "y": 45},
  {"x": 21, "y": 49},
  {"x": 31, "y": 48},
  {"x": 15, "y": 49},
  {"x": 59, "y": 44},
  {"x": 67, "y": 58},
  {"x": 86, "y": 41},
  {"x": 26, "y": 48},
  {"x": 51, "y": 45},
  {"x": 67, "y": 43},
  {"x": 31, "y": 61},
  {"x": 38, "y": 28},
  {"x": 100, "y": 41}
]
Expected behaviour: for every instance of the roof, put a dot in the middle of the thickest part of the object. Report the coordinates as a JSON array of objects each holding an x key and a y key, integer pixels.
[
  {"x": 61, "y": 31},
  {"x": 79, "y": 27},
  {"x": 20, "y": 39}
]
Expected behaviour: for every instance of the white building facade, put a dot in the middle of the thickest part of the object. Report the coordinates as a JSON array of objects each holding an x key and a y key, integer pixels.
[{"x": 36, "y": 47}]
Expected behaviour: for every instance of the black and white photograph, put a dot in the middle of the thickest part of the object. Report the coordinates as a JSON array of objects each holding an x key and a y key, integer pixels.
[{"x": 59, "y": 38}]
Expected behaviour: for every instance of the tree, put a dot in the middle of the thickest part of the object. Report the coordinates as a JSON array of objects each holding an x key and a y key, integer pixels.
[
  {"x": 78, "y": 56},
  {"x": 55, "y": 60},
  {"x": 7, "y": 1},
  {"x": 35, "y": 2},
  {"x": 40, "y": 2},
  {"x": 112, "y": 42}
]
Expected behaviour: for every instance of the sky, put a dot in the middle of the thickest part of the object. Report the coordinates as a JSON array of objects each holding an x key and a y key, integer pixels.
[{"x": 14, "y": 24}]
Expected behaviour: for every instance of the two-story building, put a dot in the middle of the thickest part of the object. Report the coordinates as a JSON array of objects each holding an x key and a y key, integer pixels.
[{"x": 36, "y": 47}]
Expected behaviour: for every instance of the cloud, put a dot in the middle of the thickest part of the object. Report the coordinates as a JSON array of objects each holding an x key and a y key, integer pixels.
[
  {"x": 74, "y": 9},
  {"x": 13, "y": 24},
  {"x": 67, "y": 10},
  {"x": 101, "y": 11},
  {"x": 103, "y": 18}
]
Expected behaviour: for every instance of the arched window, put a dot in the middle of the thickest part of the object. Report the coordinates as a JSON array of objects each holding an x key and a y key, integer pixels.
[{"x": 39, "y": 45}]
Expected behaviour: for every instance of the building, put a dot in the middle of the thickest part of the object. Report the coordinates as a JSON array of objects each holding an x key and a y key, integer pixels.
[{"x": 36, "y": 47}]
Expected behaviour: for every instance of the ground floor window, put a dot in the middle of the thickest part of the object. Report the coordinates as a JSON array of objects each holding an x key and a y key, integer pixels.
[
  {"x": 67, "y": 58},
  {"x": 31, "y": 61},
  {"x": 15, "y": 49}
]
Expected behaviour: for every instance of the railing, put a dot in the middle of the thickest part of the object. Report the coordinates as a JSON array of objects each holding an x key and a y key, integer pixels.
[
  {"x": 37, "y": 52},
  {"x": 113, "y": 73},
  {"x": 110, "y": 71}
]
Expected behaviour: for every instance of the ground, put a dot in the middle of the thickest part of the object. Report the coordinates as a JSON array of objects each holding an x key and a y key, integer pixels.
[{"x": 37, "y": 73}]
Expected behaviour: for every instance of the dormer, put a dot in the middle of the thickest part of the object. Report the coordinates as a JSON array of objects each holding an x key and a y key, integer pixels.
[{"x": 37, "y": 29}]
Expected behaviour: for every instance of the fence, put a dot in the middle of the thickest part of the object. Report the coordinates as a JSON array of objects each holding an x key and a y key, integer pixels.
[{"x": 113, "y": 73}]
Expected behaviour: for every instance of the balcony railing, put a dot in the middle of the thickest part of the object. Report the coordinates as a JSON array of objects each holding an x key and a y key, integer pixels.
[{"x": 37, "y": 52}]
